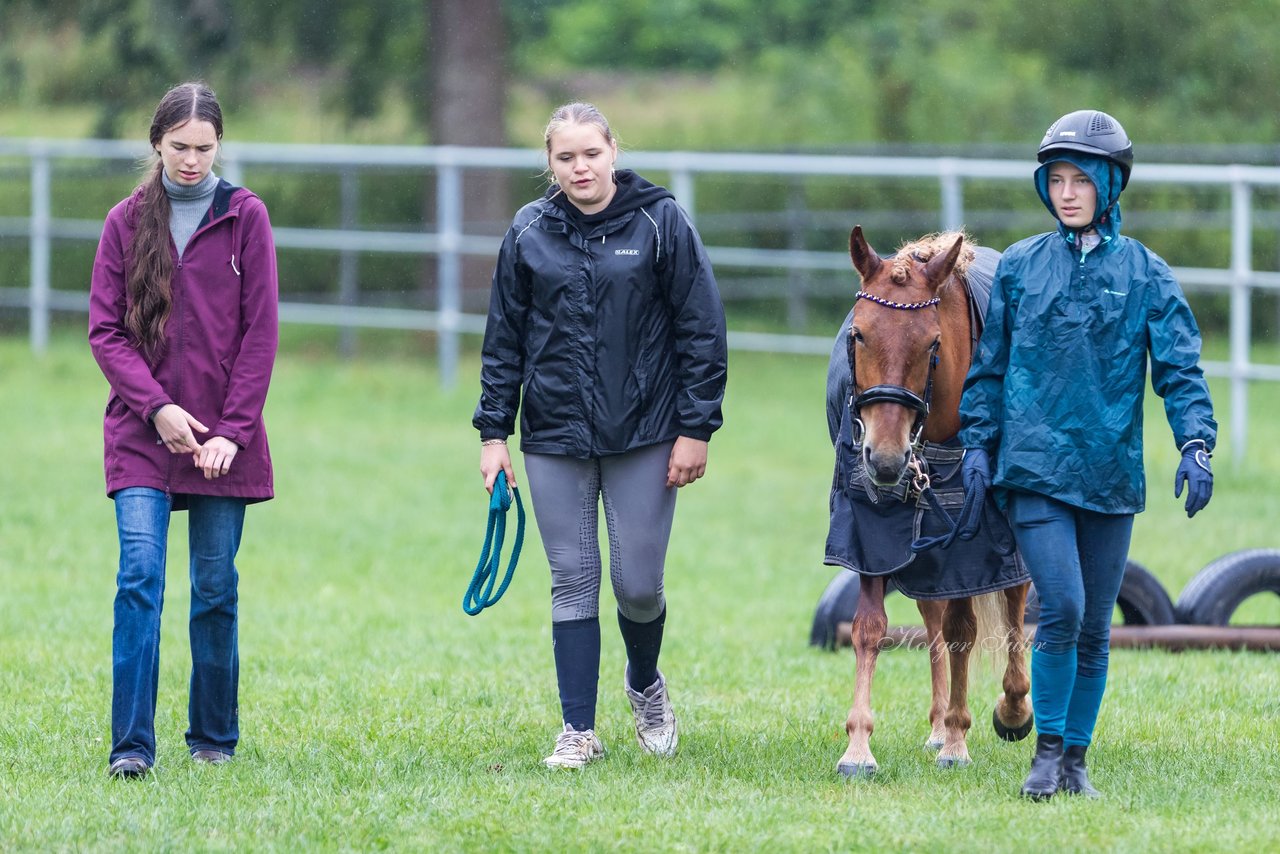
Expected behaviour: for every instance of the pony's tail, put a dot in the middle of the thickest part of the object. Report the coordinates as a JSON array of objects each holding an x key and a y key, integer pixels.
[{"x": 992, "y": 635}]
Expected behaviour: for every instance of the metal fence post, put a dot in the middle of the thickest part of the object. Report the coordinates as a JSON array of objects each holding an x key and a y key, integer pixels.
[
  {"x": 449, "y": 262},
  {"x": 40, "y": 250},
  {"x": 797, "y": 279},
  {"x": 1241, "y": 273},
  {"x": 232, "y": 171},
  {"x": 682, "y": 189},
  {"x": 952, "y": 195},
  {"x": 348, "y": 260}
]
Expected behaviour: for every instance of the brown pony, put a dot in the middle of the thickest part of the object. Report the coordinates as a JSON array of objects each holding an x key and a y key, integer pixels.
[{"x": 910, "y": 309}]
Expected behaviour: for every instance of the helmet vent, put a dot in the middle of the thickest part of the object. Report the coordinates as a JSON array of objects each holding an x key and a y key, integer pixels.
[{"x": 1101, "y": 123}]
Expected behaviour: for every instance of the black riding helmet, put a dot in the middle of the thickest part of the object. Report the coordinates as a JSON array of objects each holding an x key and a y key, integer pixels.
[{"x": 1092, "y": 132}]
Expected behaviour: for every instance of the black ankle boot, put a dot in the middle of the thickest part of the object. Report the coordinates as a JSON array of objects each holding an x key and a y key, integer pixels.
[
  {"x": 1046, "y": 768},
  {"x": 1075, "y": 779}
]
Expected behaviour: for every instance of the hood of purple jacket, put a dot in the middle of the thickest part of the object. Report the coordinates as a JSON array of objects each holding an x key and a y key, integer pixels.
[{"x": 220, "y": 347}]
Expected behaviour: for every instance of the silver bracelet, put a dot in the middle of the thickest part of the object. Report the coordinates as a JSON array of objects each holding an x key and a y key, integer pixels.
[{"x": 493, "y": 442}]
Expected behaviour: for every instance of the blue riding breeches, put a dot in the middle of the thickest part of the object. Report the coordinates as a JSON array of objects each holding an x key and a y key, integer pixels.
[{"x": 1076, "y": 559}]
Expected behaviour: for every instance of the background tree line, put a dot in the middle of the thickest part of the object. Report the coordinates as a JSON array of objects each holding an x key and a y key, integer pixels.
[{"x": 784, "y": 73}]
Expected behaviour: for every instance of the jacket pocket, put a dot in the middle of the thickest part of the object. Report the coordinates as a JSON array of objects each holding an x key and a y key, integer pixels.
[
  {"x": 1114, "y": 317},
  {"x": 648, "y": 425},
  {"x": 225, "y": 364},
  {"x": 535, "y": 407},
  {"x": 110, "y": 430}
]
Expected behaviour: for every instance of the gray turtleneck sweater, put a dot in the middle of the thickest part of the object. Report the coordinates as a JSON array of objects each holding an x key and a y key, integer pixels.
[{"x": 187, "y": 206}]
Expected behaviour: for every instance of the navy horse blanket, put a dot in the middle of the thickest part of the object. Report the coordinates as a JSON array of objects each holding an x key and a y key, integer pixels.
[{"x": 872, "y": 529}]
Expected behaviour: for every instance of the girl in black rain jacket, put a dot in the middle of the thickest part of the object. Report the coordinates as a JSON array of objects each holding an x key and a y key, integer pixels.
[{"x": 606, "y": 331}]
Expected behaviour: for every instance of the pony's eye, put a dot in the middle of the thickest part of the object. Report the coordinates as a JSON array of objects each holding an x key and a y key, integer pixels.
[{"x": 857, "y": 336}]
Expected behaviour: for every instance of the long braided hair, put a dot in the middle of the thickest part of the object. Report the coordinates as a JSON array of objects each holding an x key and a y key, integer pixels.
[{"x": 150, "y": 275}]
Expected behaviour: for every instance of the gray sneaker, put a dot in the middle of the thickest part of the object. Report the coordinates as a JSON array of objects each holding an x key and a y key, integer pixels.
[
  {"x": 574, "y": 749},
  {"x": 655, "y": 722}
]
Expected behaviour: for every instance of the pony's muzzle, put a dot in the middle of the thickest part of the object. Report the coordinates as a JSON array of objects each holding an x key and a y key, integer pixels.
[{"x": 885, "y": 467}]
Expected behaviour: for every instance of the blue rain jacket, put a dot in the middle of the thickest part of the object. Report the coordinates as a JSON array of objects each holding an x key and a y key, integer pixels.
[{"x": 1055, "y": 391}]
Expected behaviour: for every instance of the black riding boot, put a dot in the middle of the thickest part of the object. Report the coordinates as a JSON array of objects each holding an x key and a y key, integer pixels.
[
  {"x": 1046, "y": 768},
  {"x": 1075, "y": 779}
]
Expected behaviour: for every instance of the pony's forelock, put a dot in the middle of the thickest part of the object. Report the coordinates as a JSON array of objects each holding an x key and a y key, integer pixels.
[{"x": 925, "y": 248}]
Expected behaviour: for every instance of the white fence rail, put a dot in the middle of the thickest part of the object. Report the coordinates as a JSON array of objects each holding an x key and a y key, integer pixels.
[{"x": 449, "y": 244}]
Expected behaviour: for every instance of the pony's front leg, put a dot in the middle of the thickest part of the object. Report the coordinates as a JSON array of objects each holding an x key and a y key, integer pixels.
[
  {"x": 960, "y": 629},
  {"x": 869, "y": 624},
  {"x": 931, "y": 610},
  {"x": 1012, "y": 717}
]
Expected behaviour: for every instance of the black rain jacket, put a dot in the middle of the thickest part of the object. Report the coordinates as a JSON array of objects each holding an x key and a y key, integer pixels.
[{"x": 610, "y": 325}]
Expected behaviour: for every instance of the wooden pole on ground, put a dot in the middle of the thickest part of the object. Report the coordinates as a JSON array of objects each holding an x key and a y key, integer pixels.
[{"x": 1173, "y": 638}]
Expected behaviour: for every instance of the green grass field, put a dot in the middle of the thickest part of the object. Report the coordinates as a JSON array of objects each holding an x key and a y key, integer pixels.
[{"x": 375, "y": 714}]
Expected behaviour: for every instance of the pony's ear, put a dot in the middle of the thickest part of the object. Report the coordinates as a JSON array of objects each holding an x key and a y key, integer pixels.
[
  {"x": 865, "y": 259},
  {"x": 940, "y": 266}
]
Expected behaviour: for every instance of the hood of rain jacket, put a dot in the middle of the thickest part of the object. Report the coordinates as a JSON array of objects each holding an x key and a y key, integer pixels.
[
  {"x": 606, "y": 331},
  {"x": 220, "y": 346},
  {"x": 1055, "y": 391},
  {"x": 1107, "y": 180}
]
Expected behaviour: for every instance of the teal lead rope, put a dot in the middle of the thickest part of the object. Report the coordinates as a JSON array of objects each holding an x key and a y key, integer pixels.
[{"x": 480, "y": 593}]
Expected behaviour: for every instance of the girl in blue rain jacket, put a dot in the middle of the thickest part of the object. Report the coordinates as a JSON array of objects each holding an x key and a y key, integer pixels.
[{"x": 1052, "y": 417}]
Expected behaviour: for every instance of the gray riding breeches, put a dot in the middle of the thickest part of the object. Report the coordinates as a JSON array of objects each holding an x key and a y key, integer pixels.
[{"x": 638, "y": 510}]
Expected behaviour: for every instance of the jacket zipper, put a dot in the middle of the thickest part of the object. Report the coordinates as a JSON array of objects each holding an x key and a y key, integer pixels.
[
  {"x": 1084, "y": 254},
  {"x": 180, "y": 309}
]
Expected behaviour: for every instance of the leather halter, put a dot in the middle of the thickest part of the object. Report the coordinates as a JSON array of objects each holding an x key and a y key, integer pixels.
[{"x": 900, "y": 395}]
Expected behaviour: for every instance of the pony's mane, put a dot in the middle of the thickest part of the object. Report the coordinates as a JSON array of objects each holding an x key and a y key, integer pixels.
[{"x": 924, "y": 248}]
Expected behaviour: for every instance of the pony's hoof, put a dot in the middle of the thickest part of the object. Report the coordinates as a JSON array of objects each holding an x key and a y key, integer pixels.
[
  {"x": 933, "y": 744},
  {"x": 1012, "y": 733},
  {"x": 857, "y": 770},
  {"x": 953, "y": 762}
]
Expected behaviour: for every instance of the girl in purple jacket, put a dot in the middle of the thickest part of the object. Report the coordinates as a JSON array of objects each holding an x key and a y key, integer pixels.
[{"x": 182, "y": 321}]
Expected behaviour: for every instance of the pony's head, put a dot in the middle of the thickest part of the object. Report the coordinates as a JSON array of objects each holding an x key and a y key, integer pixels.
[{"x": 893, "y": 347}]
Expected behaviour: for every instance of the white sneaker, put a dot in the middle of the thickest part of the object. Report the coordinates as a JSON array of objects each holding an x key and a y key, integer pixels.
[
  {"x": 574, "y": 749},
  {"x": 655, "y": 722}
]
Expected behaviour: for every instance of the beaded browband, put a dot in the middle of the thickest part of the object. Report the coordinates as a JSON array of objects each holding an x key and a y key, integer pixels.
[{"x": 909, "y": 306}]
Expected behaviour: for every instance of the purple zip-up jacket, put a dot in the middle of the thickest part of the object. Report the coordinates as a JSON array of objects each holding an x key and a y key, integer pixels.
[{"x": 220, "y": 346}]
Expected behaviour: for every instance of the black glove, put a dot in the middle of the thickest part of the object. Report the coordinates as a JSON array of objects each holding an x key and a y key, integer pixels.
[{"x": 1195, "y": 473}]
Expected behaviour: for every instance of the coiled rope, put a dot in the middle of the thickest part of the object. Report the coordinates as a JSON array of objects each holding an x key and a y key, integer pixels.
[{"x": 480, "y": 593}]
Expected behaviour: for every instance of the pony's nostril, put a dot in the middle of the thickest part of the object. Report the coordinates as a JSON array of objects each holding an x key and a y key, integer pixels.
[{"x": 885, "y": 469}]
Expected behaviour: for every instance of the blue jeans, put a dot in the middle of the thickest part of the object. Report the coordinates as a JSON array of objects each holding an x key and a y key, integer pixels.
[
  {"x": 1076, "y": 559},
  {"x": 215, "y": 525}
]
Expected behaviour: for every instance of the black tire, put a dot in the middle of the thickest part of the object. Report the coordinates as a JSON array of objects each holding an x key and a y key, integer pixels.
[
  {"x": 1143, "y": 600},
  {"x": 837, "y": 604},
  {"x": 1217, "y": 590}
]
